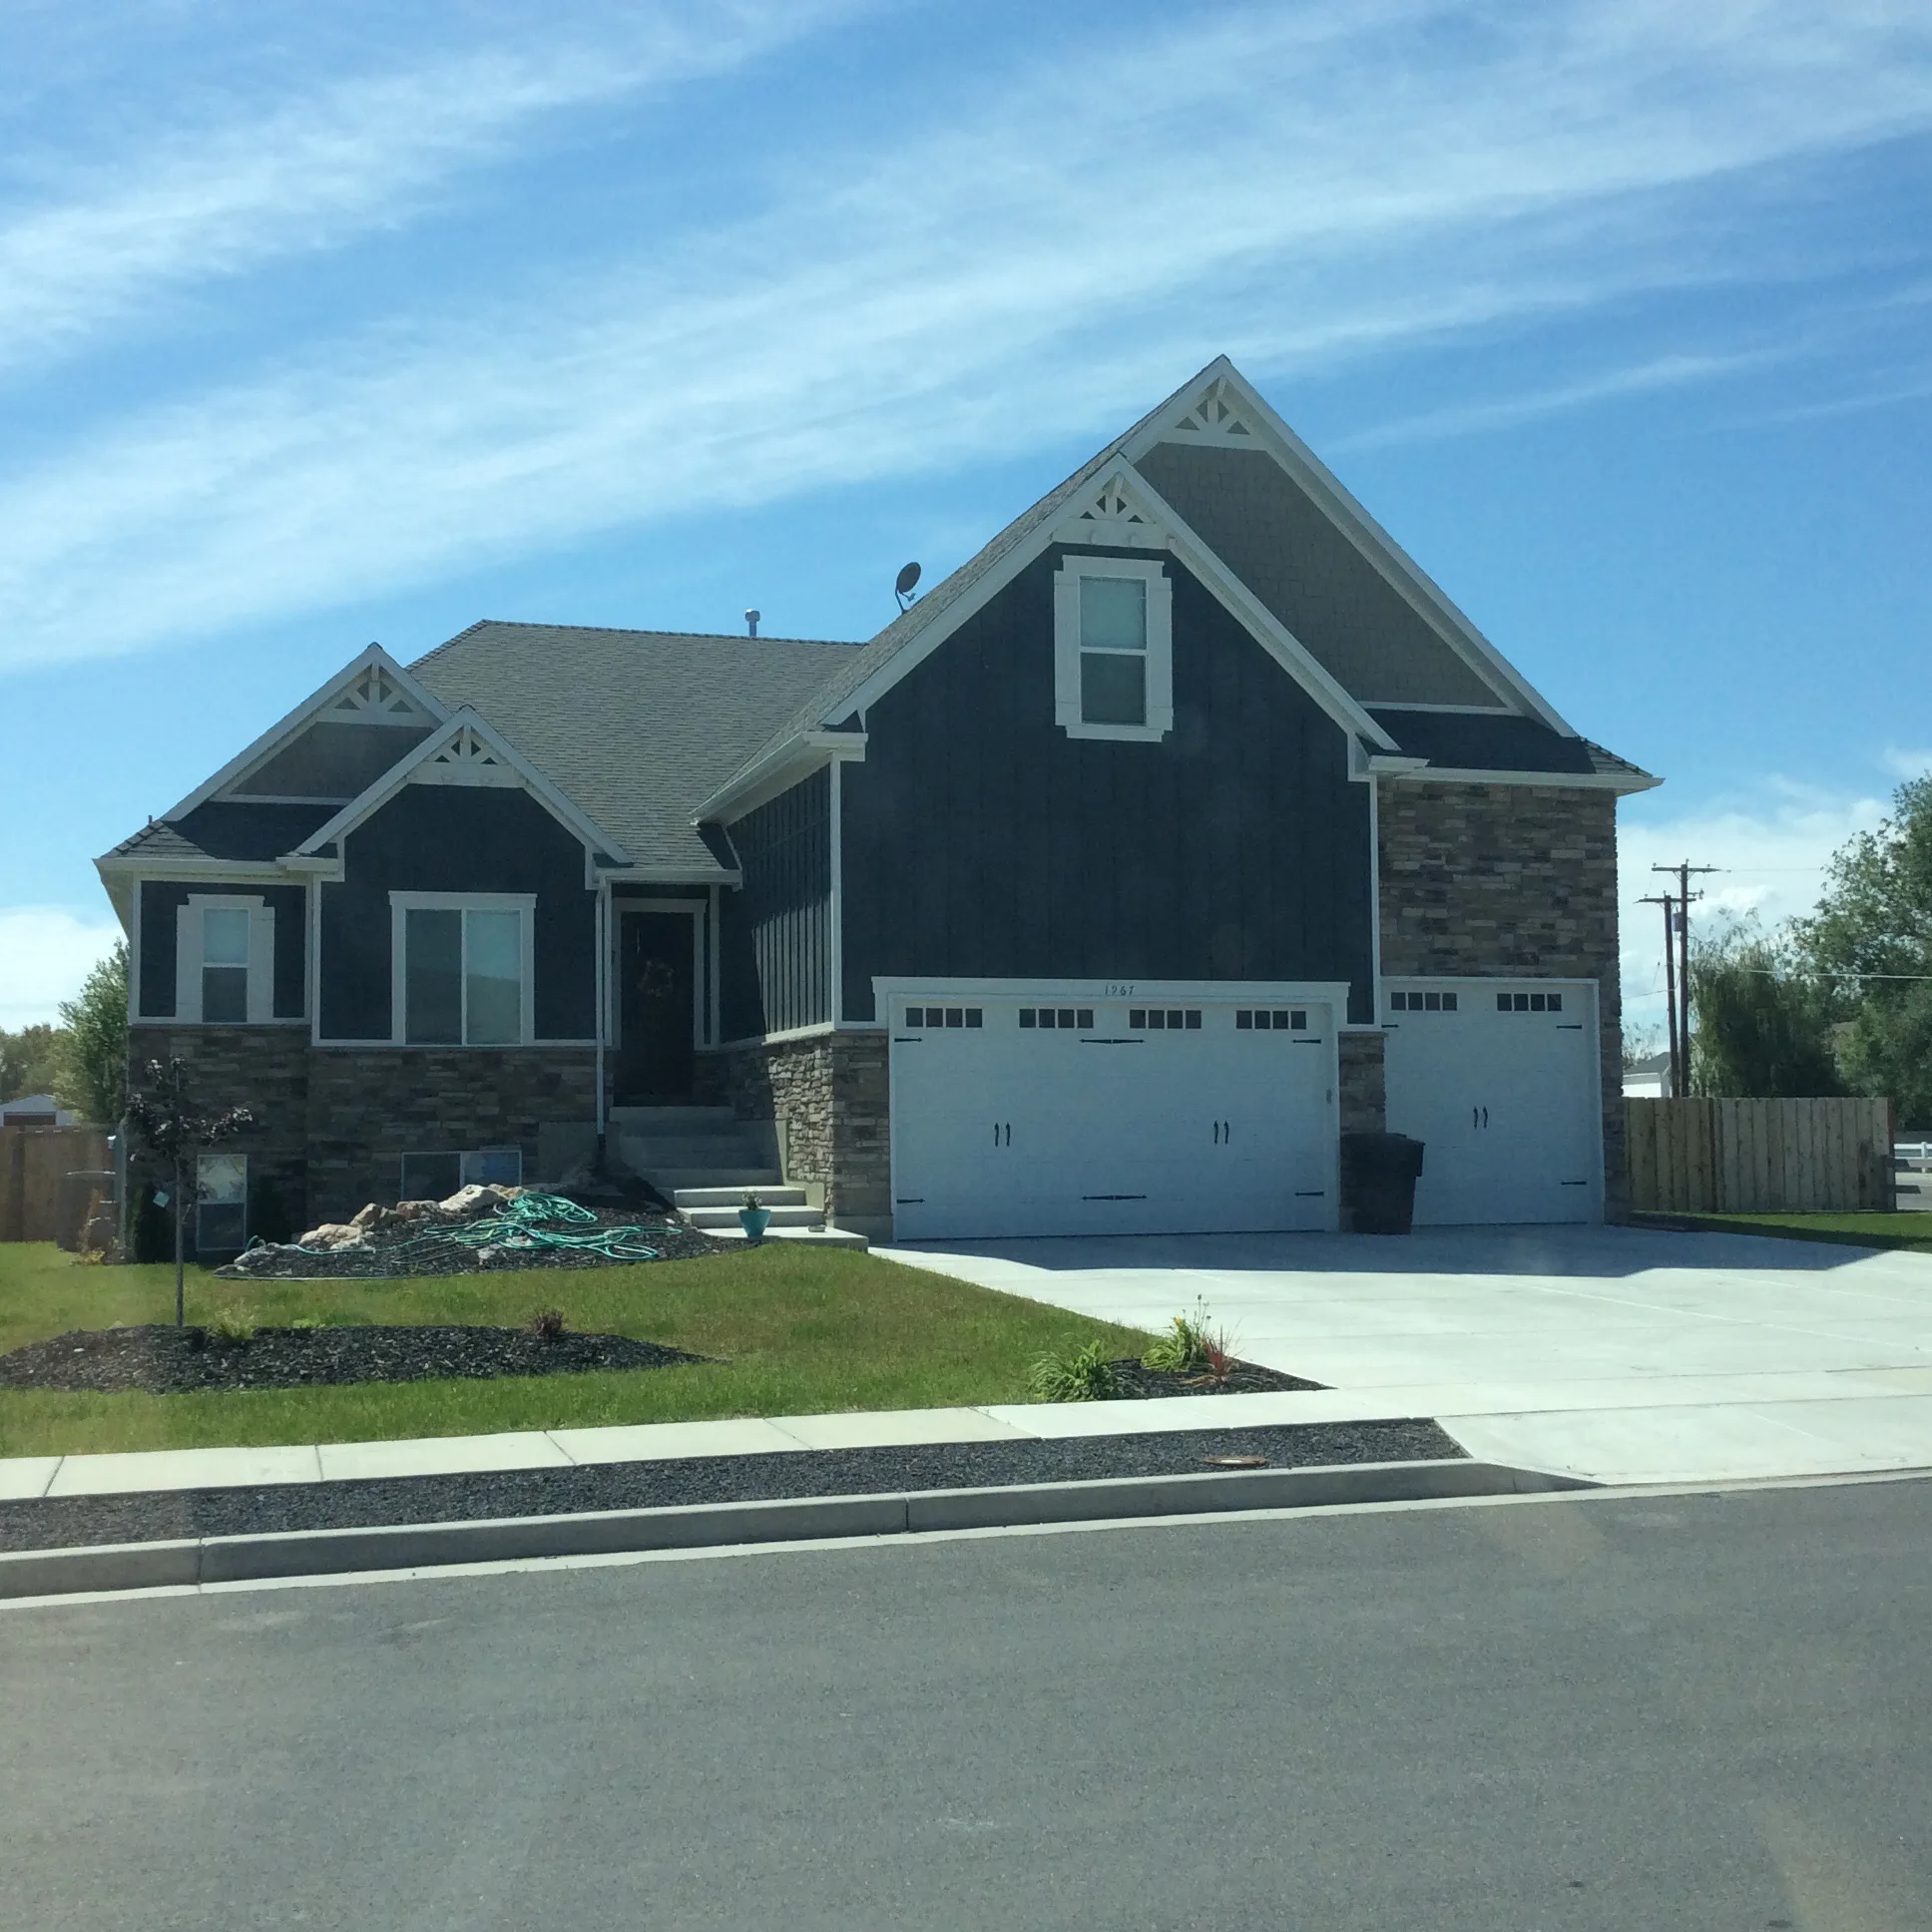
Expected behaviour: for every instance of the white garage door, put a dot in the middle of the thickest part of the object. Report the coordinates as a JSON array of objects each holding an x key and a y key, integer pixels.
[
  {"x": 1068, "y": 1114},
  {"x": 1498, "y": 1080}
]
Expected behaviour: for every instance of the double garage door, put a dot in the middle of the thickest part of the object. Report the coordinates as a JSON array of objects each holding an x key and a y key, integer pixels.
[
  {"x": 1498, "y": 1080},
  {"x": 1079, "y": 1113}
]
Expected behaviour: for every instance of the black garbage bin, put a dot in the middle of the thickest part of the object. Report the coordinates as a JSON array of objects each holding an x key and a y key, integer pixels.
[{"x": 1378, "y": 1177}]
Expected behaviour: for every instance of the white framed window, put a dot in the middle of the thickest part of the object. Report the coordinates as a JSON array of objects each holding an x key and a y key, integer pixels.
[
  {"x": 225, "y": 960},
  {"x": 222, "y": 1203},
  {"x": 1113, "y": 647},
  {"x": 462, "y": 965}
]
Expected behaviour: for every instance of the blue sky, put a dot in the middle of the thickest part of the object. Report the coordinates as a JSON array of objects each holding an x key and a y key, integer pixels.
[{"x": 326, "y": 325}]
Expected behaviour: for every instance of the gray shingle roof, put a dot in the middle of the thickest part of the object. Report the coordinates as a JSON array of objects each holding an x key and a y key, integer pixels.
[
  {"x": 228, "y": 830},
  {"x": 637, "y": 727}
]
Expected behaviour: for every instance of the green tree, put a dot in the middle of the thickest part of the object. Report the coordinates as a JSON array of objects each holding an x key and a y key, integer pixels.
[
  {"x": 92, "y": 1066},
  {"x": 1761, "y": 1027},
  {"x": 1873, "y": 929},
  {"x": 28, "y": 1060}
]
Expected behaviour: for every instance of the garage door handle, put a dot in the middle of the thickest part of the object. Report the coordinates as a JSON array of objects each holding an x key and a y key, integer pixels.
[
  {"x": 1002, "y": 1133},
  {"x": 1479, "y": 1117}
]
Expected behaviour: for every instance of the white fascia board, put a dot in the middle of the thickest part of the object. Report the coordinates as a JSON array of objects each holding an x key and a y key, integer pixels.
[
  {"x": 392, "y": 782},
  {"x": 195, "y": 871},
  {"x": 1246, "y": 609},
  {"x": 1402, "y": 572},
  {"x": 1617, "y": 781},
  {"x": 310, "y": 705},
  {"x": 646, "y": 878},
  {"x": 781, "y": 768}
]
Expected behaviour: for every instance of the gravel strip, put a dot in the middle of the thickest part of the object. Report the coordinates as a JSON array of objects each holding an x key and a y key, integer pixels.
[
  {"x": 62, "y": 1521},
  {"x": 173, "y": 1361}
]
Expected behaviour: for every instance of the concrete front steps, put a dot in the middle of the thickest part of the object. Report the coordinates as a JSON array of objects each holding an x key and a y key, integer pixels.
[
  {"x": 715, "y": 1211},
  {"x": 677, "y": 1147}
]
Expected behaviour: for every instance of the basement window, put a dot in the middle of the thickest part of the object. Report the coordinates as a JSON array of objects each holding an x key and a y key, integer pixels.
[
  {"x": 435, "y": 1176},
  {"x": 222, "y": 1204},
  {"x": 1113, "y": 645}
]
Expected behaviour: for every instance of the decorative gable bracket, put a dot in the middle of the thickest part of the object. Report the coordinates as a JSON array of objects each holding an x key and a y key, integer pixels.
[
  {"x": 1215, "y": 419},
  {"x": 467, "y": 759},
  {"x": 377, "y": 697},
  {"x": 1116, "y": 515}
]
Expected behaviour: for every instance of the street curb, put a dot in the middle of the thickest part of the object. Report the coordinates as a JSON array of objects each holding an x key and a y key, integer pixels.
[{"x": 413, "y": 1546}]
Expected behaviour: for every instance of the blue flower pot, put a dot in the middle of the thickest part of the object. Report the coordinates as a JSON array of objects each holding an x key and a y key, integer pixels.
[{"x": 755, "y": 1221}]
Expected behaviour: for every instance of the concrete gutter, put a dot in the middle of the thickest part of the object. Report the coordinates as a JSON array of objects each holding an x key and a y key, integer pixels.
[{"x": 195, "y": 1561}]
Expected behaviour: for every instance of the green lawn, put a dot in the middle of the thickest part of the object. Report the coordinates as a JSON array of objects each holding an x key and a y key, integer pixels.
[
  {"x": 806, "y": 1330},
  {"x": 1872, "y": 1230}
]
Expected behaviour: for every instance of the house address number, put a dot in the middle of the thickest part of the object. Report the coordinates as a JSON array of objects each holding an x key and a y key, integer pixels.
[{"x": 1120, "y": 989}]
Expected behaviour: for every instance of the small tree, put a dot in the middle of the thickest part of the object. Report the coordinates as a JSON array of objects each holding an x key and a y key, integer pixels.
[
  {"x": 92, "y": 1063},
  {"x": 27, "y": 1061},
  {"x": 1763, "y": 1028},
  {"x": 165, "y": 1123}
]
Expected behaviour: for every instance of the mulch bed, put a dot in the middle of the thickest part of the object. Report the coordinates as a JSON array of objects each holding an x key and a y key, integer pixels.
[
  {"x": 400, "y": 1258},
  {"x": 1137, "y": 1380},
  {"x": 174, "y": 1361},
  {"x": 63, "y": 1522}
]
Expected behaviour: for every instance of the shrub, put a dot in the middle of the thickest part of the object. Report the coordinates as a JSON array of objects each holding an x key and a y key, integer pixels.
[
  {"x": 1182, "y": 1346},
  {"x": 1085, "y": 1375},
  {"x": 547, "y": 1324},
  {"x": 229, "y": 1328}
]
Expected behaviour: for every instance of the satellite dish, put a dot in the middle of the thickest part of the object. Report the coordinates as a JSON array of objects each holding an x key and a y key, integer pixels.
[{"x": 902, "y": 586}]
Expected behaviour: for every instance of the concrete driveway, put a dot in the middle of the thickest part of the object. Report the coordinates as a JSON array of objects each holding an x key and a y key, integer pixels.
[{"x": 1624, "y": 1354}]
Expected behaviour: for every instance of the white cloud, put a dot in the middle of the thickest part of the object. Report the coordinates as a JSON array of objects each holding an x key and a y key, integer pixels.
[
  {"x": 1293, "y": 188},
  {"x": 203, "y": 202},
  {"x": 44, "y": 954},
  {"x": 1902, "y": 764},
  {"x": 1771, "y": 849}
]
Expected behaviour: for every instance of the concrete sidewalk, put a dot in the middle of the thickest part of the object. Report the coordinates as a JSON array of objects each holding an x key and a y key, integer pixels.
[{"x": 1620, "y": 1354}]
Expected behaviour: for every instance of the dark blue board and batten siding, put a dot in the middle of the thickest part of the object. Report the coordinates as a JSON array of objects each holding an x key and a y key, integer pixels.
[
  {"x": 775, "y": 950},
  {"x": 458, "y": 838},
  {"x": 981, "y": 840}
]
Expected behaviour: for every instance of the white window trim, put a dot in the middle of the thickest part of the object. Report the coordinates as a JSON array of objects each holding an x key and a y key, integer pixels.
[
  {"x": 401, "y": 903},
  {"x": 190, "y": 952},
  {"x": 1160, "y": 646}
]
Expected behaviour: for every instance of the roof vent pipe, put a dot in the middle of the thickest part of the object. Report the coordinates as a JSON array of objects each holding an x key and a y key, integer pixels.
[{"x": 751, "y": 622}]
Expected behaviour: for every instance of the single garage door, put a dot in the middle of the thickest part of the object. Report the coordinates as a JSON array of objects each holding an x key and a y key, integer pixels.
[
  {"x": 1076, "y": 1115},
  {"x": 1498, "y": 1080}
]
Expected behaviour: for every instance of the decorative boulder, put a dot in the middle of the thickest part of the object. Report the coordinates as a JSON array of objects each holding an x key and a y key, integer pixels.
[
  {"x": 372, "y": 1218},
  {"x": 467, "y": 1204},
  {"x": 334, "y": 1234}
]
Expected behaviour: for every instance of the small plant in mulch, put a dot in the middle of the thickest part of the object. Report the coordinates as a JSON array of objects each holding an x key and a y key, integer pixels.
[
  {"x": 547, "y": 1324},
  {"x": 1082, "y": 1376},
  {"x": 1195, "y": 1346},
  {"x": 228, "y": 1328}
]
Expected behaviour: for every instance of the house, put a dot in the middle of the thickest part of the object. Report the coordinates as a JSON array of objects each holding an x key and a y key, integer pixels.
[
  {"x": 1648, "y": 1078},
  {"x": 34, "y": 1109},
  {"x": 1184, "y": 828}
]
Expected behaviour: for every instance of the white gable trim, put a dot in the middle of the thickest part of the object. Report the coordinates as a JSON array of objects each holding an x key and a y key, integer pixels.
[
  {"x": 1248, "y": 610},
  {"x": 471, "y": 729},
  {"x": 1222, "y": 385},
  {"x": 313, "y": 705}
]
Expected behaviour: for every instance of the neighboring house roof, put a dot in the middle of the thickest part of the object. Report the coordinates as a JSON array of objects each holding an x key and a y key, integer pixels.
[
  {"x": 39, "y": 1108},
  {"x": 637, "y": 727}
]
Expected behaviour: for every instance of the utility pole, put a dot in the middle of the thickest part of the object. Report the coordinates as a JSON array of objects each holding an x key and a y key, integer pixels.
[
  {"x": 1681, "y": 1025},
  {"x": 1670, "y": 989}
]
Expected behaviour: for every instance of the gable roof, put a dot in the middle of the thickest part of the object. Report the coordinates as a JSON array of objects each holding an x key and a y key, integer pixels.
[{"x": 638, "y": 727}]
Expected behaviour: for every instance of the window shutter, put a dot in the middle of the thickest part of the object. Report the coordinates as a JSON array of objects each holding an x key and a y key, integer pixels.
[
  {"x": 1066, "y": 647},
  {"x": 261, "y": 964},
  {"x": 1160, "y": 651}
]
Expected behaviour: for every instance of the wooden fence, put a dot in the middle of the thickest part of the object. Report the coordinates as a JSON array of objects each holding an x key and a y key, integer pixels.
[
  {"x": 33, "y": 1160},
  {"x": 1744, "y": 1157}
]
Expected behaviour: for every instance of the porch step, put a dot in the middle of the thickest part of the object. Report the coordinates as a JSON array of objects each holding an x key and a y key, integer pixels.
[
  {"x": 690, "y": 1199},
  {"x": 712, "y": 1219}
]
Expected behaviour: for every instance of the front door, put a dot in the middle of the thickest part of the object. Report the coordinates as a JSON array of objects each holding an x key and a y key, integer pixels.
[{"x": 657, "y": 987}]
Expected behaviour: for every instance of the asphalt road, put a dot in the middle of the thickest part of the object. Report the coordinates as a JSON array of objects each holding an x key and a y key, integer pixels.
[{"x": 1707, "y": 1712}]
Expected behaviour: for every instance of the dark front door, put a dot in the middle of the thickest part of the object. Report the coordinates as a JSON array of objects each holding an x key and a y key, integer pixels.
[{"x": 657, "y": 988}]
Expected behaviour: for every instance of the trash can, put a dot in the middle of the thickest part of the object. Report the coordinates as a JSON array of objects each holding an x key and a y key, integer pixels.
[{"x": 1378, "y": 1177}]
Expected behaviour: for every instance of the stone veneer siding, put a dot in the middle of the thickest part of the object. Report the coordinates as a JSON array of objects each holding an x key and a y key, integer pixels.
[
  {"x": 332, "y": 1122},
  {"x": 1509, "y": 879},
  {"x": 830, "y": 1097},
  {"x": 1364, "y": 1095}
]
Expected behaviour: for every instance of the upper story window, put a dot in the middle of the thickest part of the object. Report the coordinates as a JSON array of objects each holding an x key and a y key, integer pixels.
[
  {"x": 224, "y": 949},
  {"x": 463, "y": 968},
  {"x": 1113, "y": 647}
]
